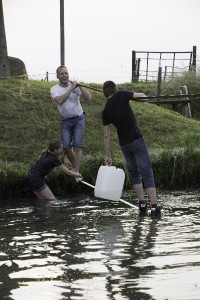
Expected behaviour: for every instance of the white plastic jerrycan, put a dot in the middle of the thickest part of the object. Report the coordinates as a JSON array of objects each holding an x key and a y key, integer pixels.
[{"x": 109, "y": 183}]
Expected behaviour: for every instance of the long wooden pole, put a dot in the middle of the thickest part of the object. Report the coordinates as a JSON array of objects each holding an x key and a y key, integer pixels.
[
  {"x": 179, "y": 96},
  {"x": 130, "y": 204},
  {"x": 62, "y": 34},
  {"x": 170, "y": 96}
]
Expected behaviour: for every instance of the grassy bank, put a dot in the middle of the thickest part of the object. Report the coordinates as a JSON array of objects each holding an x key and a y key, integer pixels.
[{"x": 29, "y": 119}]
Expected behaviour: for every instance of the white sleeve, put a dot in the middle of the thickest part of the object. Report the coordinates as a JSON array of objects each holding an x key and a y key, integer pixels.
[{"x": 54, "y": 92}]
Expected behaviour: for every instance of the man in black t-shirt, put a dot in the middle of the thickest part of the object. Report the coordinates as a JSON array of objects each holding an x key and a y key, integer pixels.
[{"x": 118, "y": 112}]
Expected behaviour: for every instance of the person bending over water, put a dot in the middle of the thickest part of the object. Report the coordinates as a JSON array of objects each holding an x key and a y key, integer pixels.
[
  {"x": 48, "y": 160},
  {"x": 117, "y": 111}
]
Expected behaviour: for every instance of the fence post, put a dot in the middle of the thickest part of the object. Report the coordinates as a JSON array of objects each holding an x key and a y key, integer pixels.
[
  {"x": 138, "y": 68},
  {"x": 159, "y": 81},
  {"x": 134, "y": 75},
  {"x": 194, "y": 58},
  {"x": 185, "y": 108},
  {"x": 165, "y": 74}
]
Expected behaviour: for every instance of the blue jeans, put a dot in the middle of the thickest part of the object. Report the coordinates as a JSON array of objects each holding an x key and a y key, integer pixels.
[
  {"x": 72, "y": 132},
  {"x": 138, "y": 163}
]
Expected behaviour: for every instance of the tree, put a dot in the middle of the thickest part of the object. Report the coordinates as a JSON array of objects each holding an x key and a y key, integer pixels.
[{"x": 4, "y": 60}]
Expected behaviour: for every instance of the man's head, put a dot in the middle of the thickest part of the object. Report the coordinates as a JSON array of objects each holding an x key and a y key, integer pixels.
[
  {"x": 109, "y": 88},
  {"x": 63, "y": 75}
]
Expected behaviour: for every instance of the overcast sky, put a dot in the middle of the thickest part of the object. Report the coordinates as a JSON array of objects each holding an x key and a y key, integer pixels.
[{"x": 99, "y": 34}]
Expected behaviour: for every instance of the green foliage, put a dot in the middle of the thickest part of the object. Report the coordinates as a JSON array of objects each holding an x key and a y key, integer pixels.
[
  {"x": 29, "y": 119},
  {"x": 192, "y": 81},
  {"x": 177, "y": 169},
  {"x": 12, "y": 180}
]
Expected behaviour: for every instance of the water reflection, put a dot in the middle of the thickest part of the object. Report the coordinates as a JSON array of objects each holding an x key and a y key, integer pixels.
[{"x": 87, "y": 248}]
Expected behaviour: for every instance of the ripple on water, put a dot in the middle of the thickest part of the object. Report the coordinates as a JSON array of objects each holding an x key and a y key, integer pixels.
[{"x": 88, "y": 248}]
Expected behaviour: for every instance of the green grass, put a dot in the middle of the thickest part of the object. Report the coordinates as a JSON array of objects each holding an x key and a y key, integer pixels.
[{"x": 29, "y": 119}]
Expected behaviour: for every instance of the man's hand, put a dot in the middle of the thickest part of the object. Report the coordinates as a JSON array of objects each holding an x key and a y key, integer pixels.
[
  {"x": 78, "y": 176},
  {"x": 74, "y": 84},
  {"x": 108, "y": 161}
]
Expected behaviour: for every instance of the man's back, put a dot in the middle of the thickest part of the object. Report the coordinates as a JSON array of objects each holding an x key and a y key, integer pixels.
[{"x": 118, "y": 112}]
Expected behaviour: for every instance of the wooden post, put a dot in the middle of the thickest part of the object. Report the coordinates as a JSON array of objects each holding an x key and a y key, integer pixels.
[
  {"x": 147, "y": 69},
  {"x": 134, "y": 75},
  {"x": 194, "y": 59},
  {"x": 185, "y": 107},
  {"x": 159, "y": 81},
  {"x": 62, "y": 34},
  {"x": 4, "y": 60},
  {"x": 165, "y": 74},
  {"x": 174, "y": 57},
  {"x": 138, "y": 69}
]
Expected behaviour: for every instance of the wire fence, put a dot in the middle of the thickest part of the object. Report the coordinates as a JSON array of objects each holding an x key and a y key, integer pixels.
[{"x": 145, "y": 64}]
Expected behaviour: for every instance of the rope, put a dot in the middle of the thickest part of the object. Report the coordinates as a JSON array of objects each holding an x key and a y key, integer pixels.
[
  {"x": 23, "y": 92},
  {"x": 150, "y": 97}
]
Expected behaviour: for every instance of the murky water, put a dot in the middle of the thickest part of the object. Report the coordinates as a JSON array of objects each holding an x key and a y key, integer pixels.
[{"x": 87, "y": 248}]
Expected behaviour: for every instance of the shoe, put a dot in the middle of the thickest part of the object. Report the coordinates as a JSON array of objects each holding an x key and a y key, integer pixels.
[
  {"x": 155, "y": 211},
  {"x": 143, "y": 206}
]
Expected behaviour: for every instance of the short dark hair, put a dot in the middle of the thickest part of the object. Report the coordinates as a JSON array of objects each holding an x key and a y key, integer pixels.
[
  {"x": 60, "y": 67},
  {"x": 109, "y": 88},
  {"x": 54, "y": 145}
]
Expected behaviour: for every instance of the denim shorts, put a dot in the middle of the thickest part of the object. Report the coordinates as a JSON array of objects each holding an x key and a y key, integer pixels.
[
  {"x": 72, "y": 132},
  {"x": 138, "y": 163},
  {"x": 37, "y": 186}
]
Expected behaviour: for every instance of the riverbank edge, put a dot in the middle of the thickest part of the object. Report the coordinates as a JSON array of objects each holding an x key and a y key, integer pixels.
[{"x": 172, "y": 170}]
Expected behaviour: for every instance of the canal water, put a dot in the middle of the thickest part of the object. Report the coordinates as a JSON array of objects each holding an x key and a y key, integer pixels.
[{"x": 84, "y": 248}]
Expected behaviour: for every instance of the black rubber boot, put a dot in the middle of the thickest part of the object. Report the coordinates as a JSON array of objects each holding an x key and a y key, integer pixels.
[
  {"x": 155, "y": 211},
  {"x": 143, "y": 206}
]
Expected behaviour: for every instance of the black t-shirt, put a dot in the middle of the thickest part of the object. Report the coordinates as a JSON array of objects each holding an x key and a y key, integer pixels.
[
  {"x": 118, "y": 112},
  {"x": 44, "y": 165}
]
